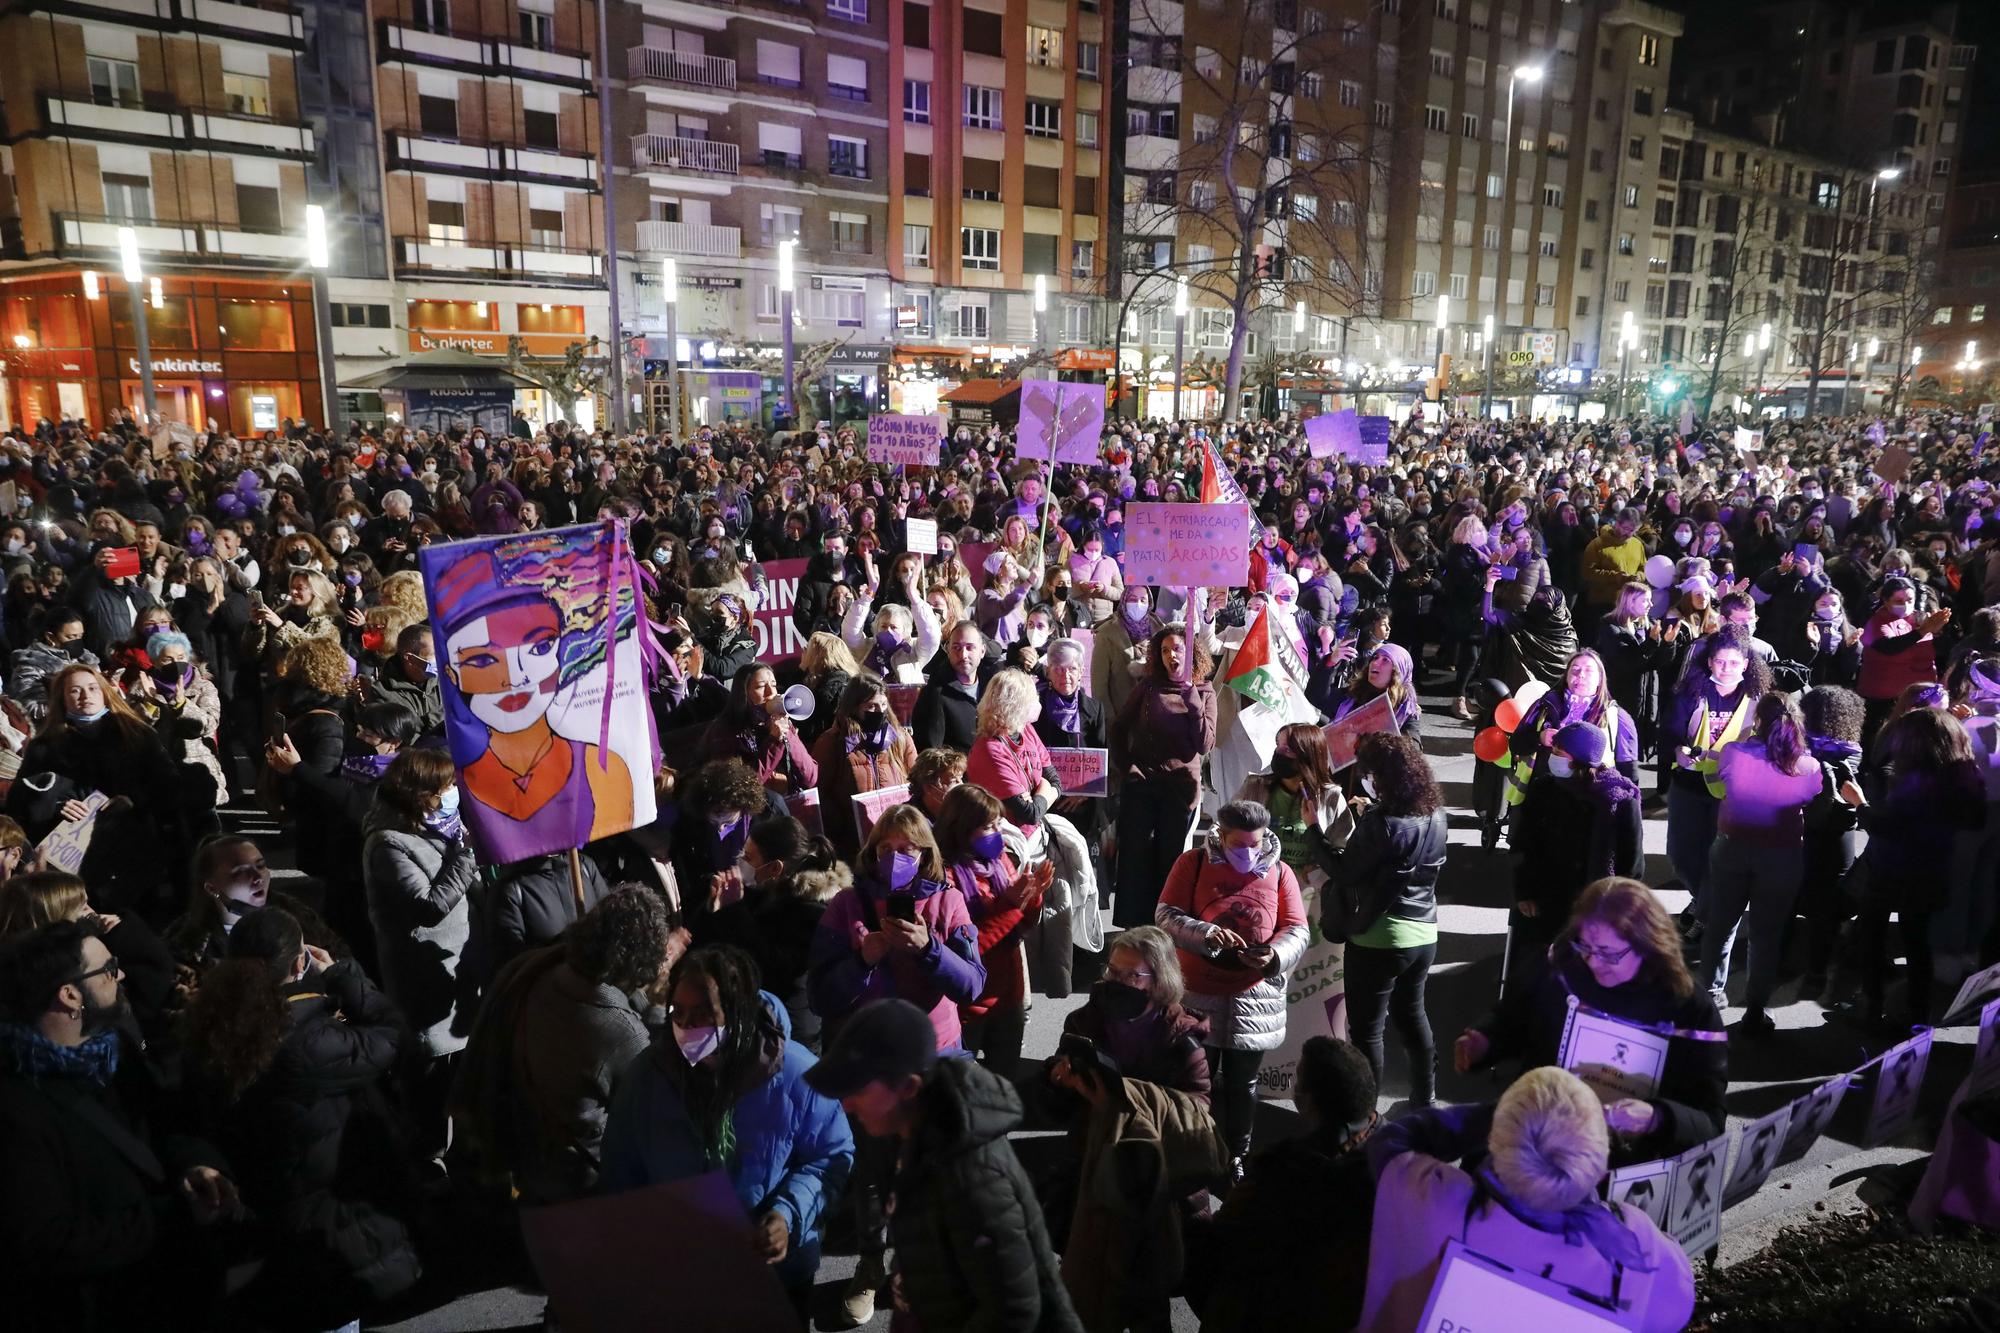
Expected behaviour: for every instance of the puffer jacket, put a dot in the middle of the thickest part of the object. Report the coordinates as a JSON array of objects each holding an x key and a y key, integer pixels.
[
  {"x": 972, "y": 1252},
  {"x": 1144, "y": 1150},
  {"x": 845, "y": 773},
  {"x": 944, "y": 975},
  {"x": 1203, "y": 894},
  {"x": 527, "y": 904},
  {"x": 1571, "y": 832},
  {"x": 313, "y": 1149},
  {"x": 417, "y": 884},
  {"x": 793, "y": 1150}
]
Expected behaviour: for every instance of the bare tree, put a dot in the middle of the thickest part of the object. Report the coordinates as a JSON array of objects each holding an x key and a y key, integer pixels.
[
  {"x": 1273, "y": 183},
  {"x": 569, "y": 380},
  {"x": 1838, "y": 280},
  {"x": 1910, "y": 283},
  {"x": 1737, "y": 269}
]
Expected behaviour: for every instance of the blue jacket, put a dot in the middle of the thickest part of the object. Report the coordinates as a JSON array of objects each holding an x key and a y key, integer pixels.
[{"x": 793, "y": 1148}]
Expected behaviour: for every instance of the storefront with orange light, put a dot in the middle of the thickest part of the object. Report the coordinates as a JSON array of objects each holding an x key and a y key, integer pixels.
[
  {"x": 238, "y": 353},
  {"x": 543, "y": 331}
]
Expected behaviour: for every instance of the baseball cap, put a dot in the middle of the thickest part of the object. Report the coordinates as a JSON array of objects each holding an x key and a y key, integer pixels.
[{"x": 885, "y": 1042}]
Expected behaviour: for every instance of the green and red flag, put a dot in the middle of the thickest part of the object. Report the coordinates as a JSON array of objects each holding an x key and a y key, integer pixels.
[{"x": 1252, "y": 672}]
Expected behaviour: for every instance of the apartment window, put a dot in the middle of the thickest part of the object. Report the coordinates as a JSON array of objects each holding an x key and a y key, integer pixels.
[
  {"x": 1468, "y": 126},
  {"x": 979, "y": 247},
  {"x": 1548, "y": 247},
  {"x": 1086, "y": 129},
  {"x": 1087, "y": 56},
  {"x": 782, "y": 147},
  {"x": 1494, "y": 186},
  {"x": 1552, "y": 196},
  {"x": 437, "y": 116},
  {"x": 1201, "y": 195},
  {"x": 847, "y": 77},
  {"x": 257, "y": 207},
  {"x": 778, "y": 222},
  {"x": 1305, "y": 207},
  {"x": 1558, "y": 145},
  {"x": 1656, "y": 299},
  {"x": 345, "y": 316},
  {"x": 1075, "y": 322},
  {"x": 1441, "y": 64},
  {"x": 1489, "y": 238},
  {"x": 841, "y": 301},
  {"x": 1459, "y": 286},
  {"x": 1621, "y": 290},
  {"x": 1624, "y": 242},
  {"x": 1045, "y": 47},
  {"x": 1383, "y": 114},
  {"x": 854, "y": 11},
  {"x": 1475, "y": 70},
  {"x": 1423, "y": 283},
  {"x": 1447, "y": 9},
  {"x": 850, "y": 233},
  {"x": 1082, "y": 259},
  {"x": 1976, "y": 315},
  {"x": 1545, "y": 294},
  {"x": 1587, "y": 260},
  {"x": 1308, "y": 149},
  {"x": 1631, "y": 196},
  {"x": 917, "y": 173},
  {"x": 1663, "y": 212},
  {"x": 538, "y": 31},
  {"x": 979, "y": 178},
  {"x": 431, "y": 16},
  {"x": 541, "y": 128},
  {"x": 1636, "y": 148},
  {"x": 1649, "y": 49},
  {"x": 1160, "y": 121},
  {"x": 129, "y": 198},
  {"x": 545, "y": 228},
  {"x": 445, "y": 219},
  {"x": 971, "y": 321},
  {"x": 917, "y": 101},
  {"x": 113, "y": 82},
  {"x": 1642, "y": 101},
  {"x": 847, "y": 157},
  {"x": 1943, "y": 315},
  {"x": 1206, "y": 128},
  {"x": 1044, "y": 119},
  {"x": 982, "y": 107},
  {"x": 778, "y": 63},
  {"x": 916, "y": 25},
  {"x": 916, "y": 246},
  {"x": 1436, "y": 118},
  {"x": 247, "y": 95},
  {"x": 1350, "y": 93}
]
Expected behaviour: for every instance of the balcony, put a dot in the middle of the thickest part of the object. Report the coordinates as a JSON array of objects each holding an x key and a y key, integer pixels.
[
  {"x": 546, "y": 166},
  {"x": 171, "y": 125},
  {"x": 548, "y": 265},
  {"x": 658, "y": 65},
  {"x": 691, "y": 239},
  {"x": 470, "y": 51},
  {"x": 272, "y": 23},
  {"x": 668, "y": 152},
  {"x": 206, "y": 243}
]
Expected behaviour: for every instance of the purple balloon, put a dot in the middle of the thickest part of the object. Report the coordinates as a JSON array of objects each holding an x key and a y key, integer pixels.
[
  {"x": 229, "y": 503},
  {"x": 247, "y": 480}
]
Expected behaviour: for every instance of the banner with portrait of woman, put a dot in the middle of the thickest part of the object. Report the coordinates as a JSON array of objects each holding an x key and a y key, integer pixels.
[{"x": 541, "y": 661}]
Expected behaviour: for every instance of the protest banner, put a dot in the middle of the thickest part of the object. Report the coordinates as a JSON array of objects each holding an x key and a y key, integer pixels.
[
  {"x": 1811, "y": 1114},
  {"x": 920, "y": 535},
  {"x": 1617, "y": 1059},
  {"x": 1471, "y": 1291},
  {"x": 900, "y": 439},
  {"x": 1757, "y": 1149},
  {"x": 1342, "y": 734},
  {"x": 805, "y": 808},
  {"x": 69, "y": 842},
  {"x": 1899, "y": 1077},
  {"x": 1646, "y": 1186},
  {"x": 1978, "y": 988},
  {"x": 1333, "y": 433},
  {"x": 1187, "y": 545},
  {"x": 541, "y": 666},
  {"x": 1315, "y": 1000},
  {"x": 869, "y": 805},
  {"x": 1084, "y": 772},
  {"x": 778, "y": 636},
  {"x": 1374, "y": 444},
  {"x": 675, "y": 1254},
  {"x": 1068, "y": 418},
  {"x": 903, "y": 701},
  {"x": 1695, "y": 1216},
  {"x": 1985, "y": 1075}
]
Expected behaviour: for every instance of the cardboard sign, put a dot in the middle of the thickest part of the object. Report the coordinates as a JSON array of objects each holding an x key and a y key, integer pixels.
[
  {"x": 1065, "y": 418},
  {"x": 1645, "y": 1186},
  {"x": 1470, "y": 1290},
  {"x": 869, "y": 805},
  {"x": 1985, "y": 1075},
  {"x": 1083, "y": 772},
  {"x": 894, "y": 438},
  {"x": 69, "y": 842},
  {"x": 1695, "y": 1218},
  {"x": 1757, "y": 1149},
  {"x": 1342, "y": 735},
  {"x": 1187, "y": 545},
  {"x": 920, "y": 535},
  {"x": 1899, "y": 1078},
  {"x": 1615, "y": 1058},
  {"x": 1811, "y": 1114},
  {"x": 1978, "y": 988},
  {"x": 903, "y": 700},
  {"x": 1334, "y": 433},
  {"x": 1894, "y": 464},
  {"x": 1748, "y": 441},
  {"x": 805, "y": 807},
  {"x": 1375, "y": 432}
]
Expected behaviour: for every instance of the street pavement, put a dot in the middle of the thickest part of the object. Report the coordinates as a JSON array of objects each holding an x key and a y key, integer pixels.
[{"x": 1808, "y": 1047}]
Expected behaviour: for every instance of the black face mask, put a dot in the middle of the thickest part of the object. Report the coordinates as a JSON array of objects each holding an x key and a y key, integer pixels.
[
  {"x": 1284, "y": 766},
  {"x": 1118, "y": 1002},
  {"x": 874, "y": 720}
]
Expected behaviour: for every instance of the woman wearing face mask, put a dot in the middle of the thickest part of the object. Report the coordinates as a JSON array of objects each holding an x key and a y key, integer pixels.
[
  {"x": 863, "y": 749},
  {"x": 1135, "y": 1016},
  {"x": 718, "y": 803},
  {"x": 1620, "y": 955},
  {"x": 1233, "y": 908},
  {"x": 723, "y": 1090},
  {"x": 1098, "y": 581},
  {"x": 1585, "y": 696},
  {"x": 1001, "y": 608},
  {"x": 1825, "y": 643},
  {"x": 92, "y": 741},
  {"x": 1003, "y": 899},
  {"x": 417, "y": 869},
  {"x": 789, "y": 877},
  {"x": 904, "y": 638},
  {"x": 1119, "y": 659},
  {"x": 1898, "y": 648},
  {"x": 1158, "y": 741},
  {"x": 1058, "y": 600},
  {"x": 1712, "y": 706},
  {"x": 177, "y": 697},
  {"x": 756, "y": 730}
]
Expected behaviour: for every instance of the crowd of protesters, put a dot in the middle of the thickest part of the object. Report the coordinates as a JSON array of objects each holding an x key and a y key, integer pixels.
[{"x": 225, "y": 1104}]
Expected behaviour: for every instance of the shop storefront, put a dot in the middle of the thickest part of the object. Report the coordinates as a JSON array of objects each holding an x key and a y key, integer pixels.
[
  {"x": 542, "y": 335},
  {"x": 238, "y": 353}
]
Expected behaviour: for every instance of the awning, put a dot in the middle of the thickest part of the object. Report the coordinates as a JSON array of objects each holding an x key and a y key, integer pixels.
[
  {"x": 442, "y": 370},
  {"x": 982, "y": 393},
  {"x": 1085, "y": 358}
]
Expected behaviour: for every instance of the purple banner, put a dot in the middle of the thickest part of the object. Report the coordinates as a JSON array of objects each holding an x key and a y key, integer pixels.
[{"x": 1069, "y": 415}]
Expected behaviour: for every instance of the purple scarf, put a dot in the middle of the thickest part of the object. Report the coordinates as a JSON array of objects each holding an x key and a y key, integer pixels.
[
  {"x": 365, "y": 769},
  {"x": 1067, "y": 714}
]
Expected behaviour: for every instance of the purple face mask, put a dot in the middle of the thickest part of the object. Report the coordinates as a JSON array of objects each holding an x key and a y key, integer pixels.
[
  {"x": 1243, "y": 860},
  {"x": 898, "y": 868},
  {"x": 988, "y": 846}
]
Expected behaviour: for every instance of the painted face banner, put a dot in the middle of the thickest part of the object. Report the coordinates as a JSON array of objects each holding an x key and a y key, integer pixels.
[{"x": 541, "y": 661}]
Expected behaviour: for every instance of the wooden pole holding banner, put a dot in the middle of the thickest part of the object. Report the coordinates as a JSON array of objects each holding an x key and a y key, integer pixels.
[
  {"x": 576, "y": 880},
  {"x": 1049, "y": 481}
]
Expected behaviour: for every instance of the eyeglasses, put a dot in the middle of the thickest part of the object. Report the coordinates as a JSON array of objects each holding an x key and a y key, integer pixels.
[
  {"x": 1126, "y": 978},
  {"x": 1609, "y": 956},
  {"x": 108, "y": 969}
]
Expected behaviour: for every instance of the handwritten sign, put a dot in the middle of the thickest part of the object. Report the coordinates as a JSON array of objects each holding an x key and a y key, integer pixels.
[
  {"x": 1470, "y": 1288},
  {"x": 1344, "y": 734},
  {"x": 1187, "y": 545},
  {"x": 1375, "y": 432},
  {"x": 920, "y": 535},
  {"x": 69, "y": 842},
  {"x": 1065, "y": 418},
  {"x": 1082, "y": 772},
  {"x": 869, "y": 805},
  {"x": 1615, "y": 1058},
  {"x": 1332, "y": 433},
  {"x": 805, "y": 807},
  {"x": 903, "y": 439}
]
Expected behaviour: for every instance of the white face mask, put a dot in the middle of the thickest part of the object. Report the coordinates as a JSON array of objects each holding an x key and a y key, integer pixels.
[
  {"x": 697, "y": 1044},
  {"x": 1560, "y": 766},
  {"x": 1368, "y": 783},
  {"x": 176, "y": 591}
]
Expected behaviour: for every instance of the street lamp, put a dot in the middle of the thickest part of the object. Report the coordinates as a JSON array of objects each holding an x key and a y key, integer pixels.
[
  {"x": 1520, "y": 74},
  {"x": 318, "y": 258},
  {"x": 135, "y": 273},
  {"x": 670, "y": 285},
  {"x": 1627, "y": 335},
  {"x": 785, "y": 408},
  {"x": 1180, "y": 338},
  {"x": 1444, "y": 317},
  {"x": 1041, "y": 312},
  {"x": 1486, "y": 345},
  {"x": 1763, "y": 360},
  {"x": 1874, "y": 350}
]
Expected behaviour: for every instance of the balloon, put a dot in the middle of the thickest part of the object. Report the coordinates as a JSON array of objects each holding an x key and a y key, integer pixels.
[
  {"x": 1528, "y": 694},
  {"x": 247, "y": 480},
  {"x": 1507, "y": 716},
  {"x": 1660, "y": 571},
  {"x": 228, "y": 503},
  {"x": 1490, "y": 744}
]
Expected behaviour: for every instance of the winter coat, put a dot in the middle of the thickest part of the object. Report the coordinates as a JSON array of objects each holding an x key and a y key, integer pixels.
[
  {"x": 1571, "y": 832},
  {"x": 313, "y": 1149},
  {"x": 937, "y": 979},
  {"x": 528, "y": 904},
  {"x": 972, "y": 1252},
  {"x": 1204, "y": 893},
  {"x": 1635, "y": 664},
  {"x": 1162, "y": 735},
  {"x": 1143, "y": 1151},
  {"x": 1162, "y": 1046},
  {"x": 1912, "y": 823},
  {"x": 946, "y": 713},
  {"x": 845, "y": 773},
  {"x": 314, "y": 724},
  {"x": 417, "y": 886},
  {"x": 906, "y": 664},
  {"x": 775, "y": 924},
  {"x": 424, "y": 698},
  {"x": 792, "y": 1152},
  {"x": 108, "y": 608},
  {"x": 31, "y": 668},
  {"x": 188, "y": 726},
  {"x": 728, "y": 737},
  {"x": 1389, "y": 867}
]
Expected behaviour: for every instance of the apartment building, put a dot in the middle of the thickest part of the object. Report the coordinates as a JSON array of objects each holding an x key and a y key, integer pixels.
[
  {"x": 180, "y": 119},
  {"x": 1962, "y": 335}
]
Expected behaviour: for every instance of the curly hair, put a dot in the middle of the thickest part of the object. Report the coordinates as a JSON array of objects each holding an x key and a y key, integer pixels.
[
  {"x": 404, "y": 590},
  {"x": 1404, "y": 783},
  {"x": 622, "y": 941},
  {"x": 1008, "y": 705},
  {"x": 317, "y": 664},
  {"x": 237, "y": 1021},
  {"x": 1833, "y": 713},
  {"x": 1201, "y": 664},
  {"x": 724, "y": 784}
]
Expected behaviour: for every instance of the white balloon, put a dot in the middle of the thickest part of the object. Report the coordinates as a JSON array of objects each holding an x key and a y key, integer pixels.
[{"x": 1660, "y": 571}]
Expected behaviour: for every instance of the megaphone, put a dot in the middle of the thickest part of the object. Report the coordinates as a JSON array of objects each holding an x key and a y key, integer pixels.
[{"x": 799, "y": 703}]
